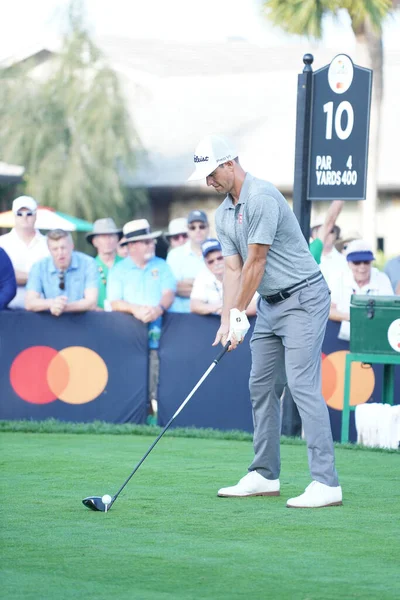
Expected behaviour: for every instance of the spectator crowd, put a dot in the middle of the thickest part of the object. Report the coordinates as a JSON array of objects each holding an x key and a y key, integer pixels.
[{"x": 46, "y": 273}]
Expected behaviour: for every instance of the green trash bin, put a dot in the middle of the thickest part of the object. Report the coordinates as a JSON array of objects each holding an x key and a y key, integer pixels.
[{"x": 375, "y": 324}]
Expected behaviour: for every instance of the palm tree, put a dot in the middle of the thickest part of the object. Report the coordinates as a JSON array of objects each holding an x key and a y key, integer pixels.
[
  {"x": 305, "y": 18},
  {"x": 70, "y": 129}
]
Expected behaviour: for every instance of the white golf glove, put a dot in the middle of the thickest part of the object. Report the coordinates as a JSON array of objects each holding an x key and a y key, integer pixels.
[{"x": 238, "y": 324}]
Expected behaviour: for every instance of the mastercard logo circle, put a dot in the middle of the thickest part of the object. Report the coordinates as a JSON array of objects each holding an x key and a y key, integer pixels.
[
  {"x": 75, "y": 375},
  {"x": 333, "y": 370}
]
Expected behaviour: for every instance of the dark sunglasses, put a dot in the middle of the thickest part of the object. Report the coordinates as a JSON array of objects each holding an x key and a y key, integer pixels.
[
  {"x": 213, "y": 260},
  {"x": 194, "y": 227},
  {"x": 178, "y": 236},
  {"x": 24, "y": 214},
  {"x": 61, "y": 283},
  {"x": 361, "y": 262}
]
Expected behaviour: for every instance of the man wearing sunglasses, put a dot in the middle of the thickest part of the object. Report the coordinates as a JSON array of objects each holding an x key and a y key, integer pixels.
[
  {"x": 66, "y": 281},
  {"x": 207, "y": 294},
  {"x": 264, "y": 250},
  {"x": 187, "y": 260},
  {"x": 25, "y": 245},
  {"x": 360, "y": 277}
]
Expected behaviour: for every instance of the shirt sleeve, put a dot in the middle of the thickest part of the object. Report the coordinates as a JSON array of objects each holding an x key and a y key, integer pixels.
[
  {"x": 167, "y": 278},
  {"x": 385, "y": 285},
  {"x": 174, "y": 261},
  {"x": 390, "y": 272},
  {"x": 228, "y": 246},
  {"x": 198, "y": 289},
  {"x": 316, "y": 248},
  {"x": 115, "y": 283},
  {"x": 34, "y": 283},
  {"x": 263, "y": 219},
  {"x": 8, "y": 284},
  {"x": 91, "y": 276}
]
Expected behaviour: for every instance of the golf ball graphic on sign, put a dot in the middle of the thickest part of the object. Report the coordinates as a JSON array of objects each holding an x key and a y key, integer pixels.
[{"x": 106, "y": 499}]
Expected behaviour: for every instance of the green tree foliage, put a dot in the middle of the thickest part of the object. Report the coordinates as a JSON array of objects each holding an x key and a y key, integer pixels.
[
  {"x": 304, "y": 17},
  {"x": 68, "y": 124}
]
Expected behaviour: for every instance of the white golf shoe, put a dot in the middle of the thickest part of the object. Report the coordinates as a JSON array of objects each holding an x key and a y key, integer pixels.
[
  {"x": 252, "y": 484},
  {"x": 317, "y": 495}
]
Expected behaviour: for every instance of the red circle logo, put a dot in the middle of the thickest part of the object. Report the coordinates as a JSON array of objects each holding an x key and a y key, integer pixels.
[{"x": 41, "y": 374}]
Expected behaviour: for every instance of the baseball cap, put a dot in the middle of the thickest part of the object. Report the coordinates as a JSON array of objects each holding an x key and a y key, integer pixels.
[
  {"x": 210, "y": 152},
  {"x": 210, "y": 245},
  {"x": 197, "y": 215},
  {"x": 24, "y": 202},
  {"x": 359, "y": 250}
]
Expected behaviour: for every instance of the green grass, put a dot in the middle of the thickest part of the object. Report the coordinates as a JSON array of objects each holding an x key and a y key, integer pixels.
[{"x": 169, "y": 537}]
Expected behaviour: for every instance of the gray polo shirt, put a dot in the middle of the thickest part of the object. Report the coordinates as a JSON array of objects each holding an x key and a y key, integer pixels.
[{"x": 262, "y": 216}]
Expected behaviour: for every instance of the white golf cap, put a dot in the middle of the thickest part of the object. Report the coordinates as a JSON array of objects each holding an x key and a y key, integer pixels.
[
  {"x": 24, "y": 202},
  {"x": 212, "y": 151}
]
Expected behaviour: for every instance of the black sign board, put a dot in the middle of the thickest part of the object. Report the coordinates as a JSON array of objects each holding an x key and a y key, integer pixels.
[{"x": 341, "y": 100}]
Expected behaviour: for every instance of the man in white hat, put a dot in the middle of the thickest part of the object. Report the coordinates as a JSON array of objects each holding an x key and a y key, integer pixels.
[
  {"x": 360, "y": 277},
  {"x": 264, "y": 250},
  {"x": 105, "y": 237},
  {"x": 177, "y": 233},
  {"x": 24, "y": 244}
]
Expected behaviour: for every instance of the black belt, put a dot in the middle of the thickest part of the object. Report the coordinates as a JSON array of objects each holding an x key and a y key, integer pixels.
[{"x": 286, "y": 293}]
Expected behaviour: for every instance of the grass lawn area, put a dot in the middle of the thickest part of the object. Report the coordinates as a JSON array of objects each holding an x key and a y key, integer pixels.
[{"x": 168, "y": 536}]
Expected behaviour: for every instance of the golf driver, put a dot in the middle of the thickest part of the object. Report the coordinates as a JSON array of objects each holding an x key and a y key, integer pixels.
[{"x": 97, "y": 502}]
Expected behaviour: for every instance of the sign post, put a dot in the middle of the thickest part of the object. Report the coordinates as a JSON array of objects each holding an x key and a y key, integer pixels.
[{"x": 332, "y": 131}]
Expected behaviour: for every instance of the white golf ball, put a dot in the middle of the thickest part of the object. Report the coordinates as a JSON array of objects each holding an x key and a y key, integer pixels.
[{"x": 106, "y": 499}]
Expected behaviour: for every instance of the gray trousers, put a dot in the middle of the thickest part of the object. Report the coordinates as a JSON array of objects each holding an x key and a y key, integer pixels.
[{"x": 288, "y": 337}]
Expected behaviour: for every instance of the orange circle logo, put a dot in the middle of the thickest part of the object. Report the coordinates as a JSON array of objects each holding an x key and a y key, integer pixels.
[
  {"x": 333, "y": 371},
  {"x": 75, "y": 375}
]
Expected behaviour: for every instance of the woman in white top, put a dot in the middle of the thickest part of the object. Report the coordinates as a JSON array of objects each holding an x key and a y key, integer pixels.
[{"x": 360, "y": 278}]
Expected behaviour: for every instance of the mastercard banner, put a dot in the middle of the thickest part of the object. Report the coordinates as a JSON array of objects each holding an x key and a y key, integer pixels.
[
  {"x": 77, "y": 367},
  {"x": 223, "y": 401}
]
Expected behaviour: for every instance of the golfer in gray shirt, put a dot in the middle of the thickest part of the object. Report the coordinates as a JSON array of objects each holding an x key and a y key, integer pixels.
[{"x": 265, "y": 251}]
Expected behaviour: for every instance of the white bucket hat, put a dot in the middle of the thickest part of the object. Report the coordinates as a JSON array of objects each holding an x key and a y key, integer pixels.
[
  {"x": 212, "y": 151},
  {"x": 135, "y": 231},
  {"x": 177, "y": 226}
]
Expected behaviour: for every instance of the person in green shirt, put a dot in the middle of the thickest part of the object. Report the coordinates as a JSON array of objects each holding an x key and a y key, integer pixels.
[
  {"x": 321, "y": 232},
  {"x": 105, "y": 237}
]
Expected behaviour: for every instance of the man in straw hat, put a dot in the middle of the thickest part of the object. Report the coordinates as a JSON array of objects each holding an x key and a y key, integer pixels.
[
  {"x": 143, "y": 285},
  {"x": 105, "y": 237}
]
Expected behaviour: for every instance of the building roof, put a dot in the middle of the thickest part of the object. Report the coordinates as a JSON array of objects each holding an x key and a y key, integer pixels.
[
  {"x": 11, "y": 173},
  {"x": 179, "y": 92}
]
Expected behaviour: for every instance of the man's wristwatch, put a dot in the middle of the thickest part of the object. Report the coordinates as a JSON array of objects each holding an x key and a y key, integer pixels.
[{"x": 162, "y": 308}]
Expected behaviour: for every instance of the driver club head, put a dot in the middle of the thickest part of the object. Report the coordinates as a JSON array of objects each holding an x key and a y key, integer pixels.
[{"x": 96, "y": 503}]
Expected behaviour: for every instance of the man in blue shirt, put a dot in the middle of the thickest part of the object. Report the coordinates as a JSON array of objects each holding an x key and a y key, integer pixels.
[
  {"x": 187, "y": 261},
  {"x": 142, "y": 284},
  {"x": 8, "y": 283},
  {"x": 66, "y": 281}
]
